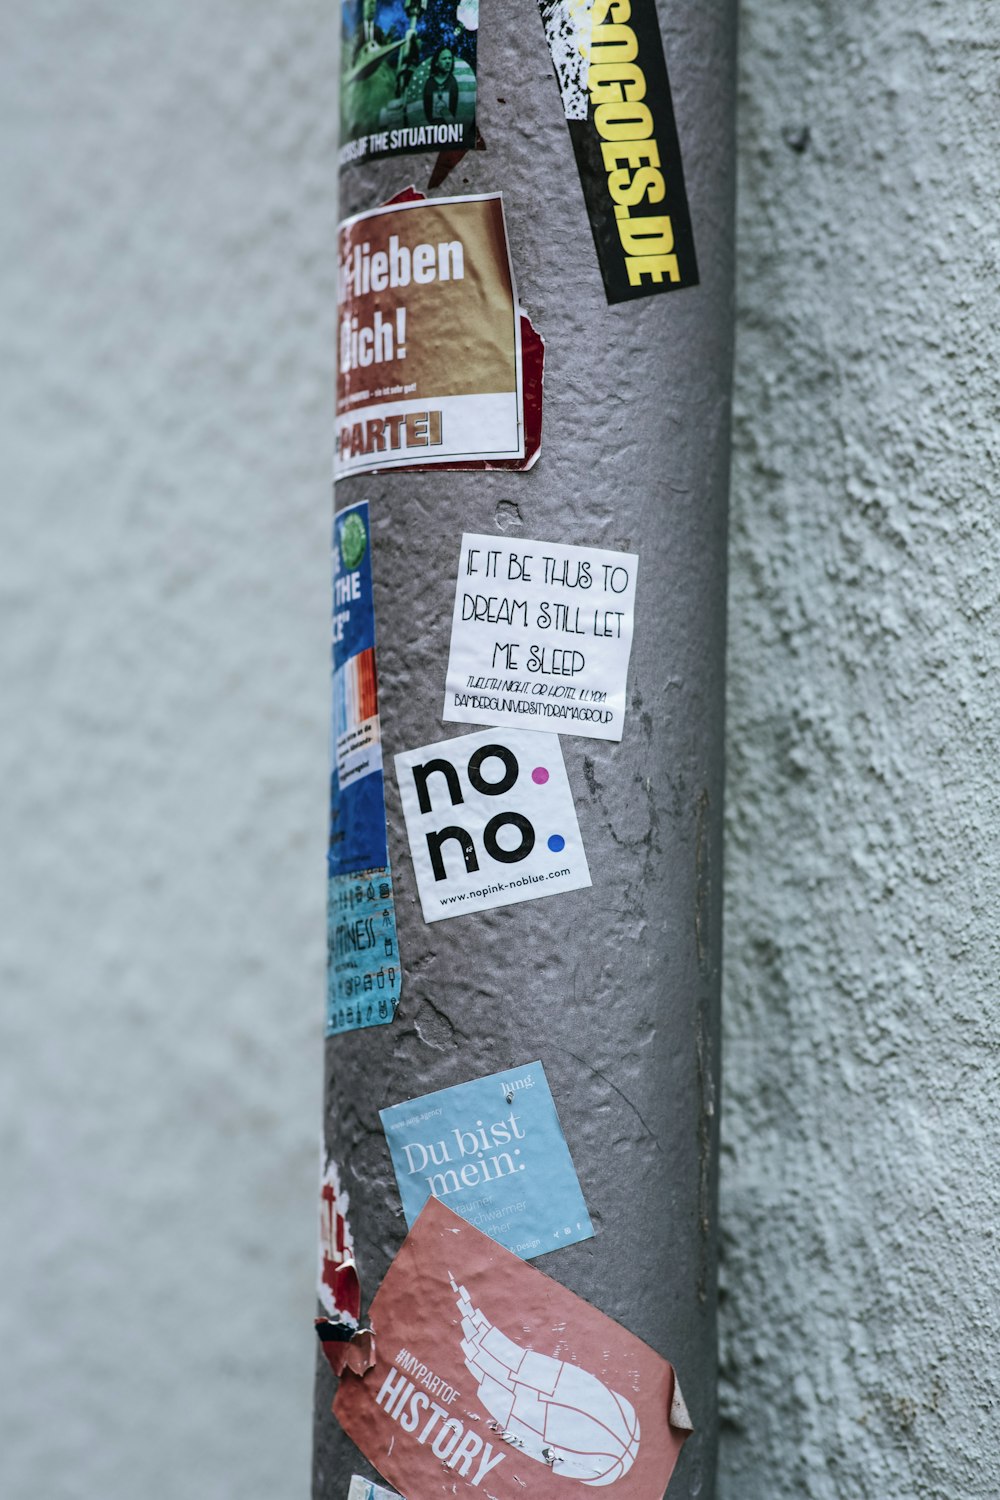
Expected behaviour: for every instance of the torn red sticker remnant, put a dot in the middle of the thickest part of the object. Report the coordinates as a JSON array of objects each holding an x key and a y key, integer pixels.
[
  {"x": 490, "y": 1378},
  {"x": 338, "y": 1287},
  {"x": 346, "y": 1348},
  {"x": 447, "y": 161}
]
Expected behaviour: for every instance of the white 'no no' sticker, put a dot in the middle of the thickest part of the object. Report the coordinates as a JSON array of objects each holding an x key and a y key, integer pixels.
[{"x": 491, "y": 821}]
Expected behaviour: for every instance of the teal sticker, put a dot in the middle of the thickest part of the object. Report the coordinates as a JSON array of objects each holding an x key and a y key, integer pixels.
[{"x": 364, "y": 974}]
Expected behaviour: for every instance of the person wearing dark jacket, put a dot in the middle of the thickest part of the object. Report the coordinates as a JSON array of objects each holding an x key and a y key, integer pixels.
[
  {"x": 369, "y": 35},
  {"x": 409, "y": 56},
  {"x": 441, "y": 88}
]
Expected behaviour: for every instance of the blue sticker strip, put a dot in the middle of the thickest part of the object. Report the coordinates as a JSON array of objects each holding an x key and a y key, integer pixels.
[
  {"x": 493, "y": 1151},
  {"x": 364, "y": 976},
  {"x": 357, "y": 788},
  {"x": 363, "y": 971}
]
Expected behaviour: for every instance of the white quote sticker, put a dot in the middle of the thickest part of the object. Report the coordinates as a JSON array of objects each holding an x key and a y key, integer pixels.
[
  {"x": 490, "y": 820},
  {"x": 541, "y": 636}
]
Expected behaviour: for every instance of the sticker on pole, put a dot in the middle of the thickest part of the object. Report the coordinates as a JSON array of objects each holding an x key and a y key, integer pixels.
[
  {"x": 490, "y": 821},
  {"x": 612, "y": 76},
  {"x": 357, "y": 790},
  {"x": 431, "y": 344},
  {"x": 407, "y": 77},
  {"x": 541, "y": 636},
  {"x": 364, "y": 1489},
  {"x": 495, "y": 1151},
  {"x": 492, "y": 1379},
  {"x": 364, "y": 976},
  {"x": 338, "y": 1287},
  {"x": 363, "y": 971}
]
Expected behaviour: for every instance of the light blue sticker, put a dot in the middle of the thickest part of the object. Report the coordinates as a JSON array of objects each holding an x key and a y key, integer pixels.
[
  {"x": 493, "y": 1151},
  {"x": 363, "y": 1489},
  {"x": 364, "y": 976}
]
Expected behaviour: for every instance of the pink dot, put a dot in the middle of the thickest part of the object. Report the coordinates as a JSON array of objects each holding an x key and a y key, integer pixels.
[{"x": 539, "y": 776}]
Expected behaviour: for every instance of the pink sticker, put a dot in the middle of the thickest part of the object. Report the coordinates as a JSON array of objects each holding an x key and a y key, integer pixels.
[{"x": 490, "y": 1378}]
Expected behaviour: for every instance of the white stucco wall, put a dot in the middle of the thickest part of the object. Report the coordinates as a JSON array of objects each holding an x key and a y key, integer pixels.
[
  {"x": 861, "y": 1175},
  {"x": 168, "y": 309},
  {"x": 167, "y": 314}
]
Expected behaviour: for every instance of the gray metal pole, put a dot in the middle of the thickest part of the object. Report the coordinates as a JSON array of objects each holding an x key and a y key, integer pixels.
[{"x": 615, "y": 988}]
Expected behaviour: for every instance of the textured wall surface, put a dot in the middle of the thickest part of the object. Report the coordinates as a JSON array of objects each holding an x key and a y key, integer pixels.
[
  {"x": 861, "y": 1183},
  {"x": 167, "y": 316}
]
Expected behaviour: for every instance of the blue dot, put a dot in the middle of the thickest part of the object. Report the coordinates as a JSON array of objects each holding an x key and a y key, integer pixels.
[{"x": 556, "y": 842}]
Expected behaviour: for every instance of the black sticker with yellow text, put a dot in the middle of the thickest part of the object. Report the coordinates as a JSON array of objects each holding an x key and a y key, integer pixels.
[{"x": 612, "y": 75}]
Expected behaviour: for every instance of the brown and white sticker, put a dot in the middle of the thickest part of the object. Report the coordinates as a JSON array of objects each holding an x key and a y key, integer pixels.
[
  {"x": 432, "y": 343},
  {"x": 492, "y": 1379}
]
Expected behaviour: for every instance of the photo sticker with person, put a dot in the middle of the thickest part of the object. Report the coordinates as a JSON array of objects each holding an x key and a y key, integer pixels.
[
  {"x": 407, "y": 76},
  {"x": 490, "y": 821}
]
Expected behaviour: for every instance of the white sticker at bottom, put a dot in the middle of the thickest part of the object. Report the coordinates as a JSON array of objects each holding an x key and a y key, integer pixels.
[{"x": 364, "y": 1489}]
